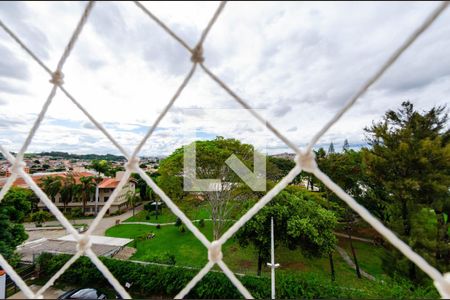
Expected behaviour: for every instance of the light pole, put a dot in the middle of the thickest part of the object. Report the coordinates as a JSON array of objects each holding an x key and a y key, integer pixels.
[
  {"x": 272, "y": 264},
  {"x": 98, "y": 179},
  {"x": 96, "y": 199}
]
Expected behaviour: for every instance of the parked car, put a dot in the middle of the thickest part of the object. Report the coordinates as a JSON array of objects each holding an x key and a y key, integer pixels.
[{"x": 83, "y": 293}]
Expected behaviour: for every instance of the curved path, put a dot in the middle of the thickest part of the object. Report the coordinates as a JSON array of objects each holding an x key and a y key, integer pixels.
[
  {"x": 350, "y": 262},
  {"x": 162, "y": 224},
  {"x": 104, "y": 224}
]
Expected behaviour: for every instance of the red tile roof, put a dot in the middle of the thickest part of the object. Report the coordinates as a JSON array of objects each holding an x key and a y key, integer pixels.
[
  {"x": 108, "y": 183},
  {"x": 20, "y": 182}
]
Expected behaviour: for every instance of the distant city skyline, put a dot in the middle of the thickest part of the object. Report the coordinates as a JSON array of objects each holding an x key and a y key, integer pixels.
[{"x": 297, "y": 62}]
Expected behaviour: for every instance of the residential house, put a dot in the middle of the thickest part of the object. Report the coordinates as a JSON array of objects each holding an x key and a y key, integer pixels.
[{"x": 105, "y": 188}]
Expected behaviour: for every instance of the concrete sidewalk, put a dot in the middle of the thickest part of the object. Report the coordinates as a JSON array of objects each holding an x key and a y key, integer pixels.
[{"x": 104, "y": 224}]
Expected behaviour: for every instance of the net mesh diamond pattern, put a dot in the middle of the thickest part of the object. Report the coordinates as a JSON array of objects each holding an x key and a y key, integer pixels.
[{"x": 305, "y": 160}]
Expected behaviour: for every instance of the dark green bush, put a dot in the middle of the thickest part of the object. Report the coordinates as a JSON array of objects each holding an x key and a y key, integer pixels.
[
  {"x": 148, "y": 206},
  {"x": 165, "y": 258},
  {"x": 201, "y": 223},
  {"x": 153, "y": 280},
  {"x": 178, "y": 222},
  {"x": 76, "y": 212}
]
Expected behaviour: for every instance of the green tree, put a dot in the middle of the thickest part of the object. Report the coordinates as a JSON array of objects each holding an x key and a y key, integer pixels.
[
  {"x": 311, "y": 181},
  {"x": 299, "y": 222},
  {"x": 101, "y": 166},
  {"x": 278, "y": 167},
  {"x": 51, "y": 185},
  {"x": 40, "y": 217},
  {"x": 132, "y": 197},
  {"x": 346, "y": 146},
  {"x": 13, "y": 209},
  {"x": 331, "y": 148},
  {"x": 67, "y": 189},
  {"x": 16, "y": 204},
  {"x": 410, "y": 158},
  {"x": 11, "y": 236},
  {"x": 141, "y": 186},
  {"x": 87, "y": 189},
  {"x": 171, "y": 185},
  {"x": 210, "y": 163}
]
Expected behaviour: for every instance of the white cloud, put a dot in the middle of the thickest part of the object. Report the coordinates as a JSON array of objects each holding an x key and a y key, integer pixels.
[{"x": 299, "y": 61}]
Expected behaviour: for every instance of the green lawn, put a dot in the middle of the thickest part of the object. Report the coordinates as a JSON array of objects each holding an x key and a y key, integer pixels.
[
  {"x": 166, "y": 216},
  {"x": 162, "y": 218},
  {"x": 188, "y": 251},
  {"x": 368, "y": 256}
]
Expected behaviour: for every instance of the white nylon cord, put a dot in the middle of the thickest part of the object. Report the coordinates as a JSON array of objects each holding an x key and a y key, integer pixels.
[{"x": 304, "y": 160}]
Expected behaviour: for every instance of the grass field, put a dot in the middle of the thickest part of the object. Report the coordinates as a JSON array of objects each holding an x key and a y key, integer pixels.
[
  {"x": 166, "y": 217},
  {"x": 188, "y": 251}
]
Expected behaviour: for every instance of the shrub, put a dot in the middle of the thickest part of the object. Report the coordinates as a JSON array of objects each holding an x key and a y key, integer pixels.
[
  {"x": 165, "y": 258},
  {"x": 147, "y": 217},
  {"x": 182, "y": 229},
  {"x": 158, "y": 226},
  {"x": 178, "y": 222},
  {"x": 149, "y": 281},
  {"x": 116, "y": 213},
  {"x": 148, "y": 206},
  {"x": 40, "y": 217},
  {"x": 76, "y": 212},
  {"x": 201, "y": 223}
]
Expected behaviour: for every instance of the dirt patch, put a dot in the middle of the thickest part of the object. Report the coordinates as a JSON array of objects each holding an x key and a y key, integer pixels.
[
  {"x": 125, "y": 253},
  {"x": 245, "y": 264},
  {"x": 367, "y": 232},
  {"x": 233, "y": 249},
  {"x": 294, "y": 266}
]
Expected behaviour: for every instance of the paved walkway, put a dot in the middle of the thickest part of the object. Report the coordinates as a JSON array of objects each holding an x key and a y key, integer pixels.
[
  {"x": 164, "y": 224},
  {"x": 355, "y": 238},
  {"x": 350, "y": 262},
  {"x": 104, "y": 224}
]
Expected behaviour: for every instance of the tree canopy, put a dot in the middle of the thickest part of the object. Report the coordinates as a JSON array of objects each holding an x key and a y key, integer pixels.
[
  {"x": 14, "y": 207},
  {"x": 409, "y": 159},
  {"x": 300, "y": 222}
]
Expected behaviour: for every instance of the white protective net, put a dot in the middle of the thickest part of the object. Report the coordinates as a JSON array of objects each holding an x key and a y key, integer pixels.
[{"x": 304, "y": 160}]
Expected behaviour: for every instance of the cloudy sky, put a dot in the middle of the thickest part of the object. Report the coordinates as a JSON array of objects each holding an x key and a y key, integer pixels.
[{"x": 297, "y": 63}]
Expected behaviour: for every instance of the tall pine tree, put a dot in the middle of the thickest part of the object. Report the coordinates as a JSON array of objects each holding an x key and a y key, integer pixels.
[
  {"x": 331, "y": 148},
  {"x": 346, "y": 146},
  {"x": 410, "y": 158}
]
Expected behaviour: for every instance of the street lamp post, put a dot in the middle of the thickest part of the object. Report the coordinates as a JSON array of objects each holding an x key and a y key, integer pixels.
[
  {"x": 96, "y": 199},
  {"x": 272, "y": 264}
]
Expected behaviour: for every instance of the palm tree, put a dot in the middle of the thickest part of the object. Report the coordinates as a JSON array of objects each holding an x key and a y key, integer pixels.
[
  {"x": 87, "y": 187},
  {"x": 132, "y": 198},
  {"x": 67, "y": 190},
  {"x": 51, "y": 185}
]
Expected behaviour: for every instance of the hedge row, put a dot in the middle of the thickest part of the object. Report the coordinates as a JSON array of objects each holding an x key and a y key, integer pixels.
[{"x": 152, "y": 280}]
